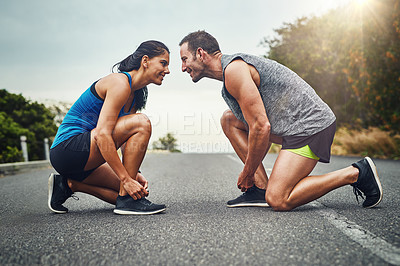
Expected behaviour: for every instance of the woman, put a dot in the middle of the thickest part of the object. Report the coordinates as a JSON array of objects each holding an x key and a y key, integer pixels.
[{"x": 103, "y": 119}]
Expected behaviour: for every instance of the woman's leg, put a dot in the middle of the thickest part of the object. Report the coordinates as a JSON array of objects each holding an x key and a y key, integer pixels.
[
  {"x": 290, "y": 186},
  {"x": 103, "y": 183},
  {"x": 135, "y": 131}
]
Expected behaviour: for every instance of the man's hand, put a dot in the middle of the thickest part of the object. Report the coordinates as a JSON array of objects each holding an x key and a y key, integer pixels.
[
  {"x": 245, "y": 181},
  {"x": 240, "y": 84}
]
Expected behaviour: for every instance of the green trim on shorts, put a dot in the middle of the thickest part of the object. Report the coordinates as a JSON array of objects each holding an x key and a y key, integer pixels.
[{"x": 304, "y": 151}]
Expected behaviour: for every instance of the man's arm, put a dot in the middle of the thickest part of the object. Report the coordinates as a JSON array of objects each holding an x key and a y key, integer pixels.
[{"x": 240, "y": 84}]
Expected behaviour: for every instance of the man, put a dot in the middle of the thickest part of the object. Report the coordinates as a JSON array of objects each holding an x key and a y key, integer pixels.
[{"x": 268, "y": 104}]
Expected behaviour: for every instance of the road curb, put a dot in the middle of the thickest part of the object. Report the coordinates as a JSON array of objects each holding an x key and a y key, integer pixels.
[{"x": 15, "y": 168}]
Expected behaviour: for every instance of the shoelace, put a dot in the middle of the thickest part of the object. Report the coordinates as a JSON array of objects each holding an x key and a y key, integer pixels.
[
  {"x": 146, "y": 201},
  {"x": 247, "y": 192},
  {"x": 75, "y": 197},
  {"x": 357, "y": 192}
]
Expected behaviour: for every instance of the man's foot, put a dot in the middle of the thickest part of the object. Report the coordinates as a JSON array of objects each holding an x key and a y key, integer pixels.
[
  {"x": 253, "y": 197},
  {"x": 127, "y": 205},
  {"x": 59, "y": 192},
  {"x": 367, "y": 183}
]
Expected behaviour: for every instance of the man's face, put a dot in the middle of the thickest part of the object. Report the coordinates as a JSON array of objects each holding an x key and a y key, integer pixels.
[{"x": 190, "y": 64}]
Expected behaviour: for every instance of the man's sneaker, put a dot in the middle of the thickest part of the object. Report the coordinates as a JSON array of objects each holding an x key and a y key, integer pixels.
[
  {"x": 59, "y": 192},
  {"x": 127, "y": 205},
  {"x": 253, "y": 197},
  {"x": 367, "y": 183}
]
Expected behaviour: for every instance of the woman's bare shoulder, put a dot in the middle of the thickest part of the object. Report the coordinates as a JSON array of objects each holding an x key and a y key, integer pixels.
[{"x": 115, "y": 82}]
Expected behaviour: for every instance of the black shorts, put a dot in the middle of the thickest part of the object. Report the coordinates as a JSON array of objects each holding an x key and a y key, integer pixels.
[
  {"x": 319, "y": 143},
  {"x": 70, "y": 157}
]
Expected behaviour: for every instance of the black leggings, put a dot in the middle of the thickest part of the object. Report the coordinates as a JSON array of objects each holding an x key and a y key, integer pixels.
[{"x": 70, "y": 157}]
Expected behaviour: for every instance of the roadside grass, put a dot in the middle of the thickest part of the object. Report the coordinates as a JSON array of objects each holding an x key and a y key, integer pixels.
[{"x": 372, "y": 142}]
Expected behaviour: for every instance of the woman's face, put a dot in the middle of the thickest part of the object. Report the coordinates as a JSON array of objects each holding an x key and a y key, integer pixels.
[{"x": 158, "y": 68}]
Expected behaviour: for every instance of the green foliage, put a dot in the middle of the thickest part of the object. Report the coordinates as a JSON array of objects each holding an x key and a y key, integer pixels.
[
  {"x": 350, "y": 56},
  {"x": 19, "y": 116},
  {"x": 167, "y": 143},
  {"x": 10, "y": 131}
]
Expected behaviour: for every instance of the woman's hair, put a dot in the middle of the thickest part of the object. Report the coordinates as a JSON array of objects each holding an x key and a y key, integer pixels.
[{"x": 133, "y": 62}]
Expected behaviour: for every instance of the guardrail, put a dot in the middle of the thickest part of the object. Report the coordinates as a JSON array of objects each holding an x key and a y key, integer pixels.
[{"x": 15, "y": 168}]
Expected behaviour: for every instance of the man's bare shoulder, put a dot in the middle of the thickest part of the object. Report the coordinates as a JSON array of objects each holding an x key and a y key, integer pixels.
[
  {"x": 236, "y": 66},
  {"x": 239, "y": 69}
]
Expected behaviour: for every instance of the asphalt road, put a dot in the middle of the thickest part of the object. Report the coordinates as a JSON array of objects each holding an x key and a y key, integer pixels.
[{"x": 198, "y": 228}]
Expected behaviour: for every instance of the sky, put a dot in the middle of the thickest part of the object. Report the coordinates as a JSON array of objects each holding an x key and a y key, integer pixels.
[{"x": 54, "y": 50}]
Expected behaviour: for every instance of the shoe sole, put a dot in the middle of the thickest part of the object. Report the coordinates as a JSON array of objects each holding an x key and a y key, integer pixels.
[
  {"x": 249, "y": 205},
  {"x": 126, "y": 212},
  {"x": 50, "y": 193},
  {"x": 375, "y": 172}
]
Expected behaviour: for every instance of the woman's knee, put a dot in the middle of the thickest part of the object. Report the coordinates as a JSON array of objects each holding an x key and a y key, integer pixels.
[
  {"x": 145, "y": 124},
  {"x": 139, "y": 123}
]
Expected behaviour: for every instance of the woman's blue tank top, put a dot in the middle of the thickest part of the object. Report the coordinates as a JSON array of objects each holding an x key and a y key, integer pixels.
[{"x": 84, "y": 114}]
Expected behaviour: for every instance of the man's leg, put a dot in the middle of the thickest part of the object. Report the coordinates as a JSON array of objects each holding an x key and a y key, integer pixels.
[
  {"x": 290, "y": 187},
  {"x": 237, "y": 133}
]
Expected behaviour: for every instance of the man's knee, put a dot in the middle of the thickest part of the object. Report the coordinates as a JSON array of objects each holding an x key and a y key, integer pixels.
[
  {"x": 227, "y": 120},
  {"x": 277, "y": 202}
]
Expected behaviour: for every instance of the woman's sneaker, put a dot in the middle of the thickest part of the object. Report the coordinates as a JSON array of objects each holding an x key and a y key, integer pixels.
[
  {"x": 59, "y": 192},
  {"x": 367, "y": 183},
  {"x": 127, "y": 205},
  {"x": 253, "y": 197}
]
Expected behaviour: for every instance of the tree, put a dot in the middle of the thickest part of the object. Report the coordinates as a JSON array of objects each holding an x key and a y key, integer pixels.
[
  {"x": 22, "y": 117},
  {"x": 166, "y": 143},
  {"x": 10, "y": 131},
  {"x": 350, "y": 56},
  {"x": 375, "y": 67}
]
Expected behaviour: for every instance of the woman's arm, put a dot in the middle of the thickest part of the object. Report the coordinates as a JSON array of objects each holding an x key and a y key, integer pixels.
[{"x": 115, "y": 97}]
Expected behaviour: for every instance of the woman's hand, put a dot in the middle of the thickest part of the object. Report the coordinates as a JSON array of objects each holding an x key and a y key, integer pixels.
[
  {"x": 135, "y": 189},
  {"x": 140, "y": 178},
  {"x": 245, "y": 181}
]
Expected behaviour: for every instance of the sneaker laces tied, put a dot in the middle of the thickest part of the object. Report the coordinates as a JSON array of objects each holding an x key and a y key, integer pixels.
[
  {"x": 357, "y": 192},
  {"x": 249, "y": 190},
  {"x": 145, "y": 201}
]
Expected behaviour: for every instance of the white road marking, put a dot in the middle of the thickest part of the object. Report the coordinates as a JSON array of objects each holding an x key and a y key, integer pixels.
[{"x": 366, "y": 239}]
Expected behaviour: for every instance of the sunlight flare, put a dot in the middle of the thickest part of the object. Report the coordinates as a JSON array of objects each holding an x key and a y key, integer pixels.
[{"x": 361, "y": 2}]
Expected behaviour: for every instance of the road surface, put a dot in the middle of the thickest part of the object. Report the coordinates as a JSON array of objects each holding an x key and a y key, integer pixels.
[{"x": 198, "y": 228}]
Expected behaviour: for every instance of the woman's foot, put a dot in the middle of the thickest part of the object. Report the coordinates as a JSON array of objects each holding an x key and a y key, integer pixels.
[
  {"x": 127, "y": 205},
  {"x": 59, "y": 192}
]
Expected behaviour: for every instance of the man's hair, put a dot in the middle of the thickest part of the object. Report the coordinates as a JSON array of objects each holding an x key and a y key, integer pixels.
[{"x": 201, "y": 39}]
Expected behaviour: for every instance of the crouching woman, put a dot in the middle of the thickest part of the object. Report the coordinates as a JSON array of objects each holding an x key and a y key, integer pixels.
[{"x": 103, "y": 119}]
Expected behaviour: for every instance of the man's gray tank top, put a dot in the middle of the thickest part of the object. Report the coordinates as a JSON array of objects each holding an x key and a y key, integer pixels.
[{"x": 292, "y": 106}]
